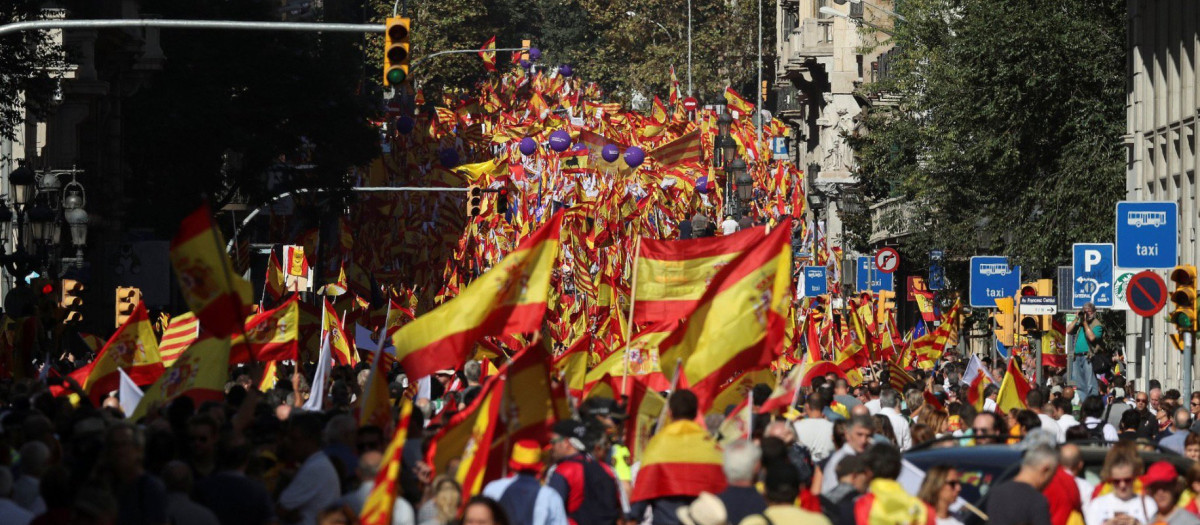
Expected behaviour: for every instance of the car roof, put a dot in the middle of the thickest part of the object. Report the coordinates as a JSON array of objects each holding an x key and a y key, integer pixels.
[{"x": 997, "y": 456}]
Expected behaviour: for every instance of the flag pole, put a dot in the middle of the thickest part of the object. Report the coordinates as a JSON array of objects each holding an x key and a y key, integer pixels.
[{"x": 629, "y": 325}]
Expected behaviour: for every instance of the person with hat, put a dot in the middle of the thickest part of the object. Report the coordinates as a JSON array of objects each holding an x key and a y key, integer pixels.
[
  {"x": 706, "y": 509},
  {"x": 588, "y": 487},
  {"x": 1161, "y": 482},
  {"x": 525, "y": 500}
]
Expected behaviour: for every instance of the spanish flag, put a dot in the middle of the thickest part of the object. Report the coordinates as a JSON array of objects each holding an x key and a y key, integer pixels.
[
  {"x": 331, "y": 324},
  {"x": 206, "y": 277},
  {"x": 571, "y": 365},
  {"x": 682, "y": 459},
  {"x": 641, "y": 359},
  {"x": 200, "y": 373},
  {"x": 510, "y": 298},
  {"x": 738, "y": 324},
  {"x": 658, "y": 119},
  {"x": 644, "y": 406},
  {"x": 1013, "y": 388},
  {"x": 272, "y": 335},
  {"x": 380, "y": 504},
  {"x": 488, "y": 54},
  {"x": 375, "y": 408},
  {"x": 274, "y": 285},
  {"x": 132, "y": 348},
  {"x": 672, "y": 276},
  {"x": 269, "y": 377},
  {"x": 735, "y": 102}
]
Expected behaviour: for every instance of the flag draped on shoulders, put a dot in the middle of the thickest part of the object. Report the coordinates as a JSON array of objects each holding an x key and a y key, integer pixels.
[
  {"x": 737, "y": 326},
  {"x": 131, "y": 348},
  {"x": 509, "y": 298},
  {"x": 206, "y": 276},
  {"x": 682, "y": 459}
]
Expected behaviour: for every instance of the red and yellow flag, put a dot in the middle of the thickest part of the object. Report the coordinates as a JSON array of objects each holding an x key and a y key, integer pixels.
[
  {"x": 735, "y": 102},
  {"x": 274, "y": 284},
  {"x": 375, "y": 408},
  {"x": 207, "y": 280},
  {"x": 682, "y": 459},
  {"x": 1013, "y": 388},
  {"x": 380, "y": 504},
  {"x": 272, "y": 335},
  {"x": 488, "y": 54},
  {"x": 183, "y": 330},
  {"x": 510, "y": 298},
  {"x": 658, "y": 119},
  {"x": 132, "y": 348},
  {"x": 343, "y": 352},
  {"x": 738, "y": 324},
  {"x": 684, "y": 150},
  {"x": 672, "y": 276},
  {"x": 200, "y": 373}
]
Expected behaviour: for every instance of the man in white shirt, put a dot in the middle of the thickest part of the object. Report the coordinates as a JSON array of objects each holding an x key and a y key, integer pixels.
[
  {"x": 889, "y": 401},
  {"x": 989, "y": 394},
  {"x": 730, "y": 226},
  {"x": 1061, "y": 408},
  {"x": 1072, "y": 461},
  {"x": 1036, "y": 400},
  {"x": 858, "y": 437},
  {"x": 873, "y": 389},
  {"x": 1122, "y": 499},
  {"x": 814, "y": 431},
  {"x": 1093, "y": 408},
  {"x": 315, "y": 486}
]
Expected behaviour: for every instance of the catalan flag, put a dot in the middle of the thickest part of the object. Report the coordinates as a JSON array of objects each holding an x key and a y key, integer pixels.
[
  {"x": 510, "y": 298},
  {"x": 200, "y": 373},
  {"x": 270, "y": 336},
  {"x": 183, "y": 330},
  {"x": 488, "y": 54},
  {"x": 738, "y": 323},
  {"x": 673, "y": 275},
  {"x": 680, "y": 460},
  {"x": 685, "y": 150},
  {"x": 897, "y": 377},
  {"x": 274, "y": 285},
  {"x": 206, "y": 277},
  {"x": 380, "y": 503},
  {"x": 735, "y": 102},
  {"x": 132, "y": 348}
]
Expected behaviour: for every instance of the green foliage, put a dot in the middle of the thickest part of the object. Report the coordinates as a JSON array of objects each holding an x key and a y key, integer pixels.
[
  {"x": 1007, "y": 132},
  {"x": 228, "y": 105},
  {"x": 27, "y": 66}
]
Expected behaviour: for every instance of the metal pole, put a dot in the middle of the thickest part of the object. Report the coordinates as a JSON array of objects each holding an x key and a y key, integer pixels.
[
  {"x": 34, "y": 25},
  {"x": 1188, "y": 341},
  {"x": 759, "y": 109},
  {"x": 689, "y": 8},
  {"x": 1039, "y": 377},
  {"x": 1147, "y": 335}
]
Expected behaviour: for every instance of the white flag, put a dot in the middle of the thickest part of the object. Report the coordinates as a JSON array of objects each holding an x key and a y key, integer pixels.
[
  {"x": 129, "y": 394},
  {"x": 316, "y": 395}
]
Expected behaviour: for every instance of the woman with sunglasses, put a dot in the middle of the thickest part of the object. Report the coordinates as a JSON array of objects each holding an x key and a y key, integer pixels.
[
  {"x": 1122, "y": 506},
  {"x": 940, "y": 490}
]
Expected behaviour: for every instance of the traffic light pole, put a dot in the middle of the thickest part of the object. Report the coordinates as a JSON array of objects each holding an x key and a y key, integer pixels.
[
  {"x": 34, "y": 25},
  {"x": 1189, "y": 341},
  {"x": 1039, "y": 377}
]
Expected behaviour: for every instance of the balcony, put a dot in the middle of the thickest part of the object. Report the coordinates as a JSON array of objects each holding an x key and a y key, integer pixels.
[
  {"x": 789, "y": 102},
  {"x": 813, "y": 38},
  {"x": 892, "y": 219}
]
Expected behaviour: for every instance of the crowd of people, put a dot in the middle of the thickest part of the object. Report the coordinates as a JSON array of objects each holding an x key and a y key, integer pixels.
[{"x": 837, "y": 456}]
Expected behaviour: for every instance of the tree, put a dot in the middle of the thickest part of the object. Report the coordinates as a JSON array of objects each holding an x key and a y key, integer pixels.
[
  {"x": 28, "y": 64},
  {"x": 1006, "y": 138}
]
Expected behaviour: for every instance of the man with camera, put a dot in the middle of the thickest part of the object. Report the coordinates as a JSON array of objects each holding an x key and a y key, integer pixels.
[{"x": 1087, "y": 331}]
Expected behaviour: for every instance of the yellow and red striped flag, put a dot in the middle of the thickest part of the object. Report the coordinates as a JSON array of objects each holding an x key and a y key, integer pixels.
[
  {"x": 672, "y": 276},
  {"x": 684, "y": 150},
  {"x": 132, "y": 348},
  {"x": 274, "y": 284},
  {"x": 508, "y": 299},
  {"x": 270, "y": 336},
  {"x": 682, "y": 459},
  {"x": 735, "y": 102},
  {"x": 488, "y": 54},
  {"x": 207, "y": 280},
  {"x": 738, "y": 325},
  {"x": 183, "y": 330},
  {"x": 200, "y": 373},
  {"x": 380, "y": 503},
  {"x": 897, "y": 377}
]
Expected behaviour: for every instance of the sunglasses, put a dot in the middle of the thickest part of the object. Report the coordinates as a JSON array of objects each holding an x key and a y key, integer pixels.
[
  {"x": 557, "y": 439},
  {"x": 1141, "y": 400},
  {"x": 953, "y": 483},
  {"x": 1195, "y": 404},
  {"x": 1120, "y": 481}
]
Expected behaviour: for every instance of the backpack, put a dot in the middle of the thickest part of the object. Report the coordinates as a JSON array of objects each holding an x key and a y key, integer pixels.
[
  {"x": 601, "y": 501},
  {"x": 1096, "y": 432}
]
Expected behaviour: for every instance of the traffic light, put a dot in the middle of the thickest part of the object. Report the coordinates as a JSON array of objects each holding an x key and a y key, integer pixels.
[
  {"x": 1003, "y": 321},
  {"x": 885, "y": 302},
  {"x": 474, "y": 201},
  {"x": 396, "y": 51},
  {"x": 72, "y": 300},
  {"x": 1045, "y": 288},
  {"x": 502, "y": 201},
  {"x": 1029, "y": 323},
  {"x": 128, "y": 298},
  {"x": 1183, "y": 298}
]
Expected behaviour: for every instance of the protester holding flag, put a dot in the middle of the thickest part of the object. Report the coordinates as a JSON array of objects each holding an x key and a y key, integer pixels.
[{"x": 525, "y": 500}]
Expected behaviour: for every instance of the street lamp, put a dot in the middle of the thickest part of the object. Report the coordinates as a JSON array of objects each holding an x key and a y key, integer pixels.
[
  {"x": 20, "y": 182},
  {"x": 745, "y": 183},
  {"x": 734, "y": 171},
  {"x": 77, "y": 219}
]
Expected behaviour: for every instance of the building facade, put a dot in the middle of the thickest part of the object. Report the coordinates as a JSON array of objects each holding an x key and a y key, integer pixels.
[{"x": 1162, "y": 103}]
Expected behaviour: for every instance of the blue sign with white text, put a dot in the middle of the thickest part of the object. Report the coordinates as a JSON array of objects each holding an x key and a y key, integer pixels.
[
  {"x": 1092, "y": 276},
  {"x": 816, "y": 281},
  {"x": 937, "y": 273},
  {"x": 992, "y": 278},
  {"x": 1147, "y": 234},
  {"x": 870, "y": 279}
]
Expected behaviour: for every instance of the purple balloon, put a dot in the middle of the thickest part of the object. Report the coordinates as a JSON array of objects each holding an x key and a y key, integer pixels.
[
  {"x": 580, "y": 146},
  {"x": 634, "y": 156},
  {"x": 610, "y": 152},
  {"x": 702, "y": 185},
  {"x": 525, "y": 64},
  {"x": 405, "y": 125},
  {"x": 449, "y": 158},
  {"x": 565, "y": 70},
  {"x": 528, "y": 146},
  {"x": 560, "y": 140},
  {"x": 535, "y": 54}
]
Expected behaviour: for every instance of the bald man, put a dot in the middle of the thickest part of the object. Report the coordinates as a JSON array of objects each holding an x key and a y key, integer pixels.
[{"x": 1072, "y": 461}]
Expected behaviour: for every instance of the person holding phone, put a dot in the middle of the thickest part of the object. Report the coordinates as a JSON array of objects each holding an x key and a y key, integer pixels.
[{"x": 1088, "y": 333}]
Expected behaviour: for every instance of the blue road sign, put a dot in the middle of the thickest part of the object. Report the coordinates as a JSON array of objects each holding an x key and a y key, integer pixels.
[
  {"x": 1092, "y": 279},
  {"x": 991, "y": 278},
  {"x": 870, "y": 279},
  {"x": 1147, "y": 234},
  {"x": 937, "y": 273},
  {"x": 816, "y": 281}
]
